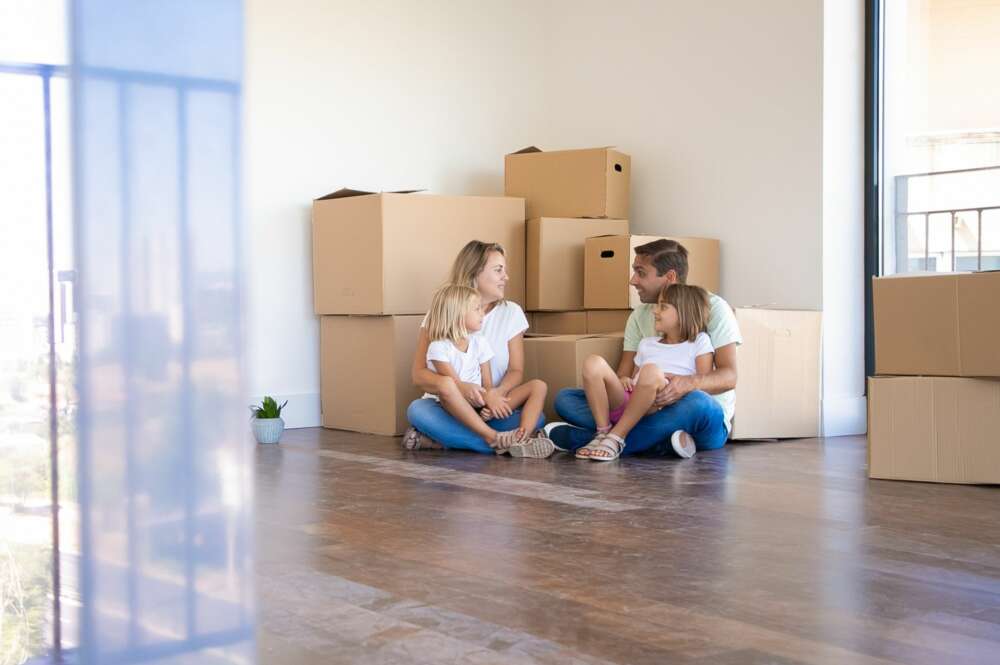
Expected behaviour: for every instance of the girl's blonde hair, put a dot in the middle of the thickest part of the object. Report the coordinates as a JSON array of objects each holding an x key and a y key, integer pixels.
[
  {"x": 471, "y": 261},
  {"x": 691, "y": 303},
  {"x": 446, "y": 318}
]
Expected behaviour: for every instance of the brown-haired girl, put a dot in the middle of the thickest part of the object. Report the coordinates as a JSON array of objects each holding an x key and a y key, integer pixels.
[{"x": 682, "y": 347}]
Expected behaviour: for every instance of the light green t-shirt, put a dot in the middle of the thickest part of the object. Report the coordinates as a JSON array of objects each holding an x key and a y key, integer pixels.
[{"x": 722, "y": 330}]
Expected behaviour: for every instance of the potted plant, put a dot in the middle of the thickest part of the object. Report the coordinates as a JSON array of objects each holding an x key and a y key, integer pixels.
[{"x": 266, "y": 423}]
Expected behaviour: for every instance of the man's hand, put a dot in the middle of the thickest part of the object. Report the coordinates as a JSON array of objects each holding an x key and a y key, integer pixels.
[
  {"x": 676, "y": 388},
  {"x": 473, "y": 394},
  {"x": 498, "y": 405},
  {"x": 627, "y": 383}
]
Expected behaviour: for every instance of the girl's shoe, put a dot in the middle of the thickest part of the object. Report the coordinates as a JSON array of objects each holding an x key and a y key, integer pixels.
[
  {"x": 611, "y": 445},
  {"x": 507, "y": 439},
  {"x": 414, "y": 439},
  {"x": 538, "y": 447},
  {"x": 683, "y": 444}
]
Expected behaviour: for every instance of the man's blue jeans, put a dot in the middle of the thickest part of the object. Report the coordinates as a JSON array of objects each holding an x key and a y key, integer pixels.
[
  {"x": 430, "y": 418},
  {"x": 697, "y": 413}
]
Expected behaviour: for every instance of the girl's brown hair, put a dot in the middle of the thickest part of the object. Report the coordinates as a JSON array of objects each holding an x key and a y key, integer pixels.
[
  {"x": 446, "y": 318},
  {"x": 691, "y": 303}
]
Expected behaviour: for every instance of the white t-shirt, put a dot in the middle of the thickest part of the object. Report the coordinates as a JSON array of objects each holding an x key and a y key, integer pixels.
[
  {"x": 465, "y": 363},
  {"x": 500, "y": 325},
  {"x": 672, "y": 358}
]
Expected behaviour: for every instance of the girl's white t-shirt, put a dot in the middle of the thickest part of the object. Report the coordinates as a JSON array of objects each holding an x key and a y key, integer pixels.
[
  {"x": 500, "y": 325},
  {"x": 465, "y": 363},
  {"x": 673, "y": 358}
]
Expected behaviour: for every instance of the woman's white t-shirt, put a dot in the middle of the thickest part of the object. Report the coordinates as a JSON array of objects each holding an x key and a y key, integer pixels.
[
  {"x": 500, "y": 325},
  {"x": 465, "y": 363},
  {"x": 673, "y": 358}
]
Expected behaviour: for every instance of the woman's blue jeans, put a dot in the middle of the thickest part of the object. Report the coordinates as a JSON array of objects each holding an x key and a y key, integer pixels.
[
  {"x": 697, "y": 413},
  {"x": 430, "y": 418}
]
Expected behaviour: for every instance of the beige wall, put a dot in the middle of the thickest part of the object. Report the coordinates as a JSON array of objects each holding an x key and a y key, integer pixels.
[{"x": 720, "y": 106}]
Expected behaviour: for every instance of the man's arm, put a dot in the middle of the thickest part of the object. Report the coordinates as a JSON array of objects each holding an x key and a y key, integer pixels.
[
  {"x": 719, "y": 380},
  {"x": 626, "y": 366}
]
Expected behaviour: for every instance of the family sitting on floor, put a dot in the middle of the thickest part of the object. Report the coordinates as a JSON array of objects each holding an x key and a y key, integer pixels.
[{"x": 672, "y": 392}]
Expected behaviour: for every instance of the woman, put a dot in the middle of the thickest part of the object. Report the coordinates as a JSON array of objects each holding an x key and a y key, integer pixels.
[{"x": 483, "y": 266}]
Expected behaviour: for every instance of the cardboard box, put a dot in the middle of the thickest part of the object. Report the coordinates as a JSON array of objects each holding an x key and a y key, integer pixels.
[
  {"x": 589, "y": 322},
  {"x": 365, "y": 381},
  {"x": 558, "y": 360},
  {"x": 607, "y": 320},
  {"x": 934, "y": 429},
  {"x": 554, "y": 248},
  {"x": 938, "y": 325},
  {"x": 560, "y": 323},
  {"x": 778, "y": 365},
  {"x": 608, "y": 268},
  {"x": 388, "y": 253},
  {"x": 570, "y": 183}
]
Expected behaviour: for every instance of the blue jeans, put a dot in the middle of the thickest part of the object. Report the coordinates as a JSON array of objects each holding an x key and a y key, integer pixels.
[
  {"x": 428, "y": 416},
  {"x": 697, "y": 413}
]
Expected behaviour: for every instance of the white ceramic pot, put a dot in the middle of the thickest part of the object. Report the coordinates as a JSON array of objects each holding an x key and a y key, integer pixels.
[{"x": 267, "y": 430}]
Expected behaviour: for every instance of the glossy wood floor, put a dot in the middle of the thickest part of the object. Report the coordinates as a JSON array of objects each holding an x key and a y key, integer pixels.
[{"x": 780, "y": 552}]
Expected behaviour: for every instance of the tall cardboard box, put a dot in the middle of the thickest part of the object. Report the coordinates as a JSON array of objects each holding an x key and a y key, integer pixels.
[
  {"x": 379, "y": 254},
  {"x": 937, "y": 325},
  {"x": 570, "y": 183},
  {"x": 365, "y": 362},
  {"x": 554, "y": 248},
  {"x": 778, "y": 365},
  {"x": 558, "y": 360},
  {"x": 608, "y": 268},
  {"x": 934, "y": 429}
]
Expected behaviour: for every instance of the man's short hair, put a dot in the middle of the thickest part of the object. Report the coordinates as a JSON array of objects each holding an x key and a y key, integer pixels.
[{"x": 666, "y": 255}]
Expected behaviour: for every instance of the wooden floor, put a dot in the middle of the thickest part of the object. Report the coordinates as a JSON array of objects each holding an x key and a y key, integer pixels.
[{"x": 780, "y": 552}]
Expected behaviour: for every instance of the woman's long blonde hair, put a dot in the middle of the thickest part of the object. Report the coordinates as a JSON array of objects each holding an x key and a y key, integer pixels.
[
  {"x": 446, "y": 318},
  {"x": 471, "y": 261},
  {"x": 691, "y": 303}
]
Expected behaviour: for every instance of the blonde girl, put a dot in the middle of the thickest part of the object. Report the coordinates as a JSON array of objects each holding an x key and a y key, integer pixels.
[
  {"x": 458, "y": 353},
  {"x": 681, "y": 347}
]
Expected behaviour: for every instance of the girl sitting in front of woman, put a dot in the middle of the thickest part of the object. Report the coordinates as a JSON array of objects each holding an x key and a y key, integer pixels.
[
  {"x": 456, "y": 352},
  {"x": 682, "y": 348}
]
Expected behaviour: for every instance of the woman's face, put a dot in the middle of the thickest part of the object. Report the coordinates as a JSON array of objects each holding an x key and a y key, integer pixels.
[{"x": 492, "y": 281}]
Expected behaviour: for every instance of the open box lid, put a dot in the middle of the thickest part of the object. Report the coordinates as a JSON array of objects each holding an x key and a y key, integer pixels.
[
  {"x": 344, "y": 193},
  {"x": 531, "y": 149}
]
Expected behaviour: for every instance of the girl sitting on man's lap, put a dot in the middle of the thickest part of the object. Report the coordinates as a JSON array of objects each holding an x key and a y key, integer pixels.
[
  {"x": 455, "y": 351},
  {"x": 682, "y": 348}
]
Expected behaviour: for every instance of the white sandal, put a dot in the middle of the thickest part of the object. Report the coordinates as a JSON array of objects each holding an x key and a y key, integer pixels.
[
  {"x": 607, "y": 443},
  {"x": 538, "y": 447}
]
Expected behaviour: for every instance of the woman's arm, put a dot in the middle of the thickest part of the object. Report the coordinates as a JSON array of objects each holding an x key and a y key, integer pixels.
[{"x": 515, "y": 366}]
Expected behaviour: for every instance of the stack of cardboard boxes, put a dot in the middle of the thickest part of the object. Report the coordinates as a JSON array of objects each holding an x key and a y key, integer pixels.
[
  {"x": 377, "y": 260},
  {"x": 934, "y": 404}
]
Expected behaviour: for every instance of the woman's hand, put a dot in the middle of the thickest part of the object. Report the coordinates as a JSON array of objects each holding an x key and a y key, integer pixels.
[
  {"x": 498, "y": 405},
  {"x": 473, "y": 394}
]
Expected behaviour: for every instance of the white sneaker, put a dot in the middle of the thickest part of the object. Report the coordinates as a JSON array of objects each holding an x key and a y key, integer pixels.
[
  {"x": 548, "y": 427},
  {"x": 683, "y": 444}
]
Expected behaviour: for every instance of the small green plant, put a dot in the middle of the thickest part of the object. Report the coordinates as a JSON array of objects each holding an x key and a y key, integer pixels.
[{"x": 267, "y": 409}]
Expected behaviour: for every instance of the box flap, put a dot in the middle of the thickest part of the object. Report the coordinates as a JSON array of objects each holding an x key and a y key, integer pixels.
[
  {"x": 523, "y": 151},
  {"x": 344, "y": 193},
  {"x": 531, "y": 148}
]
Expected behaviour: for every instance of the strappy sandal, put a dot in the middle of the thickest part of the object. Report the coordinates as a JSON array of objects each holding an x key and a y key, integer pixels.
[
  {"x": 538, "y": 447},
  {"x": 414, "y": 439},
  {"x": 584, "y": 451},
  {"x": 609, "y": 443},
  {"x": 505, "y": 440}
]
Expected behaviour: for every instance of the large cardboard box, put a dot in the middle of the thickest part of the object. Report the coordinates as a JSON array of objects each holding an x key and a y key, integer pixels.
[
  {"x": 554, "y": 249},
  {"x": 939, "y": 325},
  {"x": 365, "y": 363},
  {"x": 934, "y": 429},
  {"x": 570, "y": 183},
  {"x": 582, "y": 322},
  {"x": 558, "y": 360},
  {"x": 388, "y": 253},
  {"x": 608, "y": 268},
  {"x": 778, "y": 365}
]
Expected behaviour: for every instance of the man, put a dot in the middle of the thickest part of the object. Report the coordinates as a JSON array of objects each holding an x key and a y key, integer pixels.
[{"x": 684, "y": 403}]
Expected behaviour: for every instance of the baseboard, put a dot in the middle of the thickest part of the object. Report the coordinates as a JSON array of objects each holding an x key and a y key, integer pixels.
[
  {"x": 302, "y": 410},
  {"x": 845, "y": 416}
]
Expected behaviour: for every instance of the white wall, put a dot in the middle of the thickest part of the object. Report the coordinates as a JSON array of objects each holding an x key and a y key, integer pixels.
[
  {"x": 844, "y": 405},
  {"x": 370, "y": 95},
  {"x": 720, "y": 105}
]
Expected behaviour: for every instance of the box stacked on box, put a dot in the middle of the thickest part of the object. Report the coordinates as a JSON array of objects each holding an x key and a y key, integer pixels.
[
  {"x": 934, "y": 404},
  {"x": 377, "y": 260}
]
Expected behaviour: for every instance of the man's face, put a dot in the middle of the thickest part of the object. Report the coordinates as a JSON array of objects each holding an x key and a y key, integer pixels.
[{"x": 645, "y": 280}]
